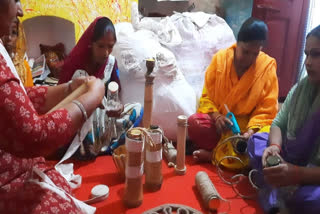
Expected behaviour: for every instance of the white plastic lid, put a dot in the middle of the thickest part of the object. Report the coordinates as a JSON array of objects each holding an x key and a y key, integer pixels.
[
  {"x": 100, "y": 190},
  {"x": 113, "y": 87}
]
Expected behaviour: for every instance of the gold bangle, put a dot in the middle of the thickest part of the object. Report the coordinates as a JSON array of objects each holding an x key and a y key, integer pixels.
[{"x": 82, "y": 109}]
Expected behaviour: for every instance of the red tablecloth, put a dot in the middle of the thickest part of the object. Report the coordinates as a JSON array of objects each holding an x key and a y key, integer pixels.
[{"x": 175, "y": 189}]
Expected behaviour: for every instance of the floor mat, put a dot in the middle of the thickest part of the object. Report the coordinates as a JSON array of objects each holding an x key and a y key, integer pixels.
[{"x": 175, "y": 189}]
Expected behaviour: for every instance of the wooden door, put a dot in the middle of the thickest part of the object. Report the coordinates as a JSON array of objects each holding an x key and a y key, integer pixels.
[{"x": 286, "y": 20}]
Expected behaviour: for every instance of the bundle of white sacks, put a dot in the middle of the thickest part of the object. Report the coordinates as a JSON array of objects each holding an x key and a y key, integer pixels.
[{"x": 183, "y": 46}]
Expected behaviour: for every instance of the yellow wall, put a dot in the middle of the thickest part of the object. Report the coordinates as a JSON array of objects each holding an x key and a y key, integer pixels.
[{"x": 80, "y": 12}]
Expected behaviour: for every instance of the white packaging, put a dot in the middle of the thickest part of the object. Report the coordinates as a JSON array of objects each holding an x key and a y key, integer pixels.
[
  {"x": 172, "y": 95},
  {"x": 202, "y": 36}
]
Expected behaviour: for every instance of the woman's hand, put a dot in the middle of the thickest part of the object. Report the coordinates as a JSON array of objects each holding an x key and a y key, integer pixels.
[
  {"x": 90, "y": 99},
  {"x": 248, "y": 134},
  {"x": 271, "y": 150},
  {"x": 222, "y": 123},
  {"x": 116, "y": 113},
  {"x": 76, "y": 83},
  {"x": 96, "y": 88},
  {"x": 285, "y": 174}
]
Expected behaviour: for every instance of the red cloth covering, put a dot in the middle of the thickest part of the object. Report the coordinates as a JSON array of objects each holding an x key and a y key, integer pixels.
[
  {"x": 175, "y": 189},
  {"x": 202, "y": 131}
]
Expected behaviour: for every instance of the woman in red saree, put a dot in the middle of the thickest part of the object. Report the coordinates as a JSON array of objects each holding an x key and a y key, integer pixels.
[
  {"x": 92, "y": 56},
  {"x": 27, "y": 183},
  {"x": 92, "y": 53}
]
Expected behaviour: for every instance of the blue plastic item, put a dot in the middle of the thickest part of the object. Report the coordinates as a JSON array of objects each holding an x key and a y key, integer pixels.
[{"x": 235, "y": 127}]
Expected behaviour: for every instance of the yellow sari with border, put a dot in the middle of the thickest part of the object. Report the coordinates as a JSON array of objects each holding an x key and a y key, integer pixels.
[{"x": 253, "y": 98}]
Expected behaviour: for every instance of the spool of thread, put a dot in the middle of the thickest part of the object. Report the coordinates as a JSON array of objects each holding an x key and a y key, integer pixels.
[
  {"x": 153, "y": 160},
  {"x": 98, "y": 193},
  {"x": 210, "y": 196},
  {"x": 133, "y": 195},
  {"x": 240, "y": 146},
  {"x": 180, "y": 167}
]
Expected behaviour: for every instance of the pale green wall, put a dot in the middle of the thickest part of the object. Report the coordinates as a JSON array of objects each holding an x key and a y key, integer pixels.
[{"x": 237, "y": 11}]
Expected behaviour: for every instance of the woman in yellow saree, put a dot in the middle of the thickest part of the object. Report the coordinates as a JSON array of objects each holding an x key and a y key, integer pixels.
[{"x": 243, "y": 78}]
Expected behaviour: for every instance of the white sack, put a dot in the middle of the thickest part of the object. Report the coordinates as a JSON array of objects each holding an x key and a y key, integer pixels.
[{"x": 173, "y": 96}]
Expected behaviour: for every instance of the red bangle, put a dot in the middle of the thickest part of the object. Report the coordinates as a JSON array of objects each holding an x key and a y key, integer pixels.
[{"x": 277, "y": 145}]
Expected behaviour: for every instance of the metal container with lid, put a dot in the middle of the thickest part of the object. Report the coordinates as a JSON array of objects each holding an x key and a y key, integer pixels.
[
  {"x": 273, "y": 160},
  {"x": 134, "y": 134}
]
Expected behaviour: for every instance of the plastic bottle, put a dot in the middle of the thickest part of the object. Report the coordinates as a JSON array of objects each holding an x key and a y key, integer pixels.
[{"x": 113, "y": 105}]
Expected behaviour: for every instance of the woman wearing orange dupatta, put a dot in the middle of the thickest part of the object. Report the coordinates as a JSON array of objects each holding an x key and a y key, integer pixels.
[
  {"x": 244, "y": 78},
  {"x": 16, "y": 47}
]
